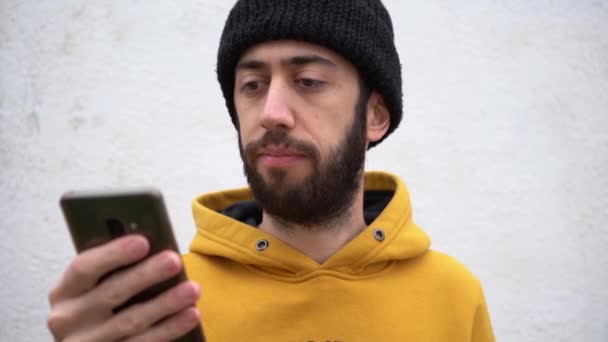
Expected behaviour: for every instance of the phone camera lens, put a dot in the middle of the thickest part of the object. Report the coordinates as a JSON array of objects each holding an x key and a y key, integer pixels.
[
  {"x": 116, "y": 227},
  {"x": 133, "y": 227}
]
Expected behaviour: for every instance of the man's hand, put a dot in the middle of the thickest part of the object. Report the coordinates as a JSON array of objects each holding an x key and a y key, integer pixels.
[{"x": 81, "y": 306}]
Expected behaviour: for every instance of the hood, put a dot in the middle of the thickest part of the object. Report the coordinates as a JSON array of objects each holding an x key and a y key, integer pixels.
[{"x": 226, "y": 221}]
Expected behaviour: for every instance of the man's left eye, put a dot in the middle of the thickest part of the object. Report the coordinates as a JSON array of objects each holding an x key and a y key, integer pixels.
[{"x": 309, "y": 83}]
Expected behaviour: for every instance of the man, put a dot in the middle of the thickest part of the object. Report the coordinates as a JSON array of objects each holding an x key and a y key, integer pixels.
[{"x": 315, "y": 250}]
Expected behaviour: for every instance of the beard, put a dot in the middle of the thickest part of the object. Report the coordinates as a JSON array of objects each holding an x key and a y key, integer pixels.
[{"x": 321, "y": 198}]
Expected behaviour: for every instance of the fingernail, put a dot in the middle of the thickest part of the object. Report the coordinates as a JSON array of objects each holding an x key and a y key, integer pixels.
[
  {"x": 194, "y": 319},
  {"x": 168, "y": 263},
  {"x": 187, "y": 294},
  {"x": 136, "y": 247}
]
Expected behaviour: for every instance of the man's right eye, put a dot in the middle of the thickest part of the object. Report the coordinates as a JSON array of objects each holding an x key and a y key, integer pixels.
[{"x": 251, "y": 86}]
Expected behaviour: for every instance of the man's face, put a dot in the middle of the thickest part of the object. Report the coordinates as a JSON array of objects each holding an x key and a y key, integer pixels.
[{"x": 302, "y": 144}]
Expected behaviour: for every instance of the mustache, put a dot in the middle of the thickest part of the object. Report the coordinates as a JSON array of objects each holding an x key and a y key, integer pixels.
[{"x": 281, "y": 138}]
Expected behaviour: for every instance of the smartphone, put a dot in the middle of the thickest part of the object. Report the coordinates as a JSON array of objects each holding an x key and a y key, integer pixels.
[{"x": 96, "y": 217}]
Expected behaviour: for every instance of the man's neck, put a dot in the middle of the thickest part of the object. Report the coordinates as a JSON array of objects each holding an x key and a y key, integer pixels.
[{"x": 319, "y": 242}]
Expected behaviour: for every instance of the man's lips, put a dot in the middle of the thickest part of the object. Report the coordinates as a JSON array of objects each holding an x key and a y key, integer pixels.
[
  {"x": 280, "y": 156},
  {"x": 279, "y": 152}
]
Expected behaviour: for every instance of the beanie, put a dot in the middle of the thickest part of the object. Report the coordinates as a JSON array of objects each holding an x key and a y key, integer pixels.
[{"x": 361, "y": 31}]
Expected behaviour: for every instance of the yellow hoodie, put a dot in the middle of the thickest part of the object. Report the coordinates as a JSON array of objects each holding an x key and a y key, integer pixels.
[{"x": 376, "y": 288}]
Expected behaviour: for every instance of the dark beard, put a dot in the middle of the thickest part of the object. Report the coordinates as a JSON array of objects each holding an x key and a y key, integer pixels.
[{"x": 321, "y": 198}]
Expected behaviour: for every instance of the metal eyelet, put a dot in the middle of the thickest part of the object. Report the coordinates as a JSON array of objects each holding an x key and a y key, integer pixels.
[
  {"x": 379, "y": 234},
  {"x": 262, "y": 245}
]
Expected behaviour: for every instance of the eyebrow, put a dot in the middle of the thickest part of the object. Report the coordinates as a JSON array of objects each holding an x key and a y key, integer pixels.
[
  {"x": 296, "y": 60},
  {"x": 309, "y": 59}
]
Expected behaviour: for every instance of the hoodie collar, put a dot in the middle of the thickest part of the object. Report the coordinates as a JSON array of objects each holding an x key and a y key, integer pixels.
[{"x": 225, "y": 228}]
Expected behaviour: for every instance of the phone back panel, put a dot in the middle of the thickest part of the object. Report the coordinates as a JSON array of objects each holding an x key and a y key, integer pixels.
[{"x": 96, "y": 217}]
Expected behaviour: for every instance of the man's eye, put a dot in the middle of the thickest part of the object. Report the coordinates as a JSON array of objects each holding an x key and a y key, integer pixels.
[
  {"x": 251, "y": 86},
  {"x": 309, "y": 83}
]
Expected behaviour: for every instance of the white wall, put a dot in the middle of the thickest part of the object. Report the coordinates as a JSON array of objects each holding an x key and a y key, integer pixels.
[{"x": 504, "y": 143}]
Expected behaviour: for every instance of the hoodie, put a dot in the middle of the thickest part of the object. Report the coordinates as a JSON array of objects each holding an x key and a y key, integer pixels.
[{"x": 384, "y": 285}]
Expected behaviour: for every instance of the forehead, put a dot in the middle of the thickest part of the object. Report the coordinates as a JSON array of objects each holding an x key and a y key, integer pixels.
[{"x": 275, "y": 52}]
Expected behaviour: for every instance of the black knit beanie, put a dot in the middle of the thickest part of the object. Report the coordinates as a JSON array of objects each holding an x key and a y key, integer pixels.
[{"x": 359, "y": 30}]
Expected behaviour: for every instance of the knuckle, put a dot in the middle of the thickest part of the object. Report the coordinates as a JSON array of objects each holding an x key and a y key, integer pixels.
[
  {"x": 54, "y": 294},
  {"x": 57, "y": 321},
  {"x": 169, "y": 331},
  {"x": 173, "y": 300},
  {"x": 146, "y": 338},
  {"x": 78, "y": 269},
  {"x": 176, "y": 326},
  {"x": 151, "y": 271},
  {"x": 154, "y": 338},
  {"x": 121, "y": 286},
  {"x": 146, "y": 273},
  {"x": 131, "y": 324},
  {"x": 181, "y": 323},
  {"x": 113, "y": 296}
]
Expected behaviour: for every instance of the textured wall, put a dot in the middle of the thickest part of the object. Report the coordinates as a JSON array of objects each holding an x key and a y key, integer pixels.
[{"x": 504, "y": 143}]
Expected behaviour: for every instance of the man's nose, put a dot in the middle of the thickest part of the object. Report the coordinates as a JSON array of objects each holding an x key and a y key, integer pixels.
[{"x": 277, "y": 111}]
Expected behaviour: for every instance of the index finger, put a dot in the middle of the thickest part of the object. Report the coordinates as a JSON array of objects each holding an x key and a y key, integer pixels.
[{"x": 89, "y": 266}]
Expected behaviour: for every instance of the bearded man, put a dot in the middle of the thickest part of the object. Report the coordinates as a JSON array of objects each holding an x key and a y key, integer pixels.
[{"x": 315, "y": 249}]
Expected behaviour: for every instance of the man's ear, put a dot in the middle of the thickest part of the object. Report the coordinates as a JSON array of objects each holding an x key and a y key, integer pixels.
[{"x": 378, "y": 117}]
